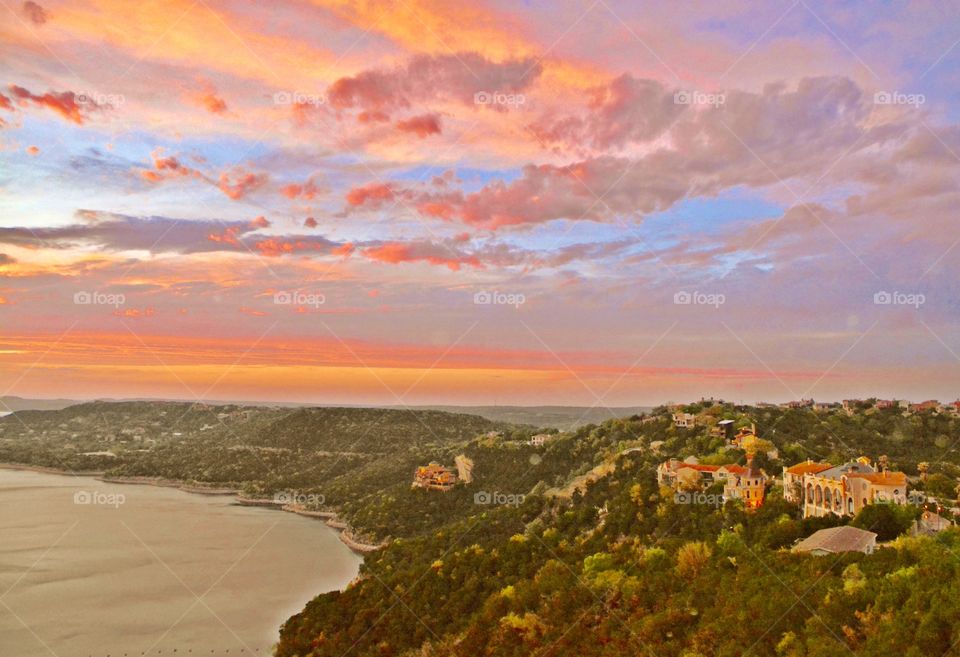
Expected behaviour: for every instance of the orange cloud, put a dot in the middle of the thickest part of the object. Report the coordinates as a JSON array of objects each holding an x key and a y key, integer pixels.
[
  {"x": 186, "y": 33},
  {"x": 135, "y": 313},
  {"x": 307, "y": 191},
  {"x": 228, "y": 236},
  {"x": 274, "y": 247},
  {"x": 213, "y": 103},
  {"x": 238, "y": 182},
  {"x": 397, "y": 252},
  {"x": 439, "y": 26},
  {"x": 67, "y": 104},
  {"x": 33, "y": 150}
]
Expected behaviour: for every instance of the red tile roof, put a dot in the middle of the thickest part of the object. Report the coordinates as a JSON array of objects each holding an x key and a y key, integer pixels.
[
  {"x": 808, "y": 467},
  {"x": 882, "y": 478}
]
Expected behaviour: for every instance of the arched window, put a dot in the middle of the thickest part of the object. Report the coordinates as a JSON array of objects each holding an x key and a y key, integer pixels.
[{"x": 850, "y": 505}]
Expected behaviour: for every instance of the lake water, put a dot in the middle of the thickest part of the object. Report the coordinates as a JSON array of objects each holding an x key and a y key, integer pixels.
[{"x": 95, "y": 569}]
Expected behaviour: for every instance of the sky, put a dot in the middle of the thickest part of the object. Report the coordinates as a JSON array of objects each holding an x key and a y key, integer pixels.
[{"x": 449, "y": 202}]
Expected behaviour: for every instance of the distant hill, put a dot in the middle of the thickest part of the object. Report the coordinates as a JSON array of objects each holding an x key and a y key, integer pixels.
[
  {"x": 12, "y": 403},
  {"x": 565, "y": 418}
]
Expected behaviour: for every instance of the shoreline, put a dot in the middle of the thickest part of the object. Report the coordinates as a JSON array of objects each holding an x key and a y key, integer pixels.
[
  {"x": 344, "y": 531},
  {"x": 44, "y": 469},
  {"x": 169, "y": 483}
]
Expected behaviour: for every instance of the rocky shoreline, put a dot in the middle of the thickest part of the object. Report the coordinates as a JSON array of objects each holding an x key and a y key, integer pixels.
[
  {"x": 344, "y": 531},
  {"x": 170, "y": 483}
]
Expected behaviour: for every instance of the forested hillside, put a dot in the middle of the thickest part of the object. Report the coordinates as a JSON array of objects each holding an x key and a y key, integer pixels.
[
  {"x": 563, "y": 543},
  {"x": 619, "y": 567}
]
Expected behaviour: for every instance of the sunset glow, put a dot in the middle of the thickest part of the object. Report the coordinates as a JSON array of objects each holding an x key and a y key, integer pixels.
[{"x": 358, "y": 202}]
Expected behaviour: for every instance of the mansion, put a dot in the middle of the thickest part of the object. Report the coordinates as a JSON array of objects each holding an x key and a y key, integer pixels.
[
  {"x": 434, "y": 477},
  {"x": 739, "y": 482},
  {"x": 842, "y": 490}
]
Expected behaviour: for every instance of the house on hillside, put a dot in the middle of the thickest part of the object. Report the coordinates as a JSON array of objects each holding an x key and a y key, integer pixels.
[
  {"x": 684, "y": 420},
  {"x": 721, "y": 429},
  {"x": 793, "y": 478},
  {"x": 929, "y": 405},
  {"x": 739, "y": 482},
  {"x": 843, "y": 490},
  {"x": 434, "y": 477},
  {"x": 849, "y": 405},
  {"x": 930, "y": 523},
  {"x": 836, "y": 540},
  {"x": 541, "y": 439},
  {"x": 743, "y": 433}
]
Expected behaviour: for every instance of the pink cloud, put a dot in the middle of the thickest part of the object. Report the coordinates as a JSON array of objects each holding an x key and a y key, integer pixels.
[
  {"x": 625, "y": 110},
  {"x": 380, "y": 92},
  {"x": 275, "y": 247},
  {"x": 373, "y": 195},
  {"x": 35, "y": 13},
  {"x": 422, "y": 126},
  {"x": 398, "y": 252}
]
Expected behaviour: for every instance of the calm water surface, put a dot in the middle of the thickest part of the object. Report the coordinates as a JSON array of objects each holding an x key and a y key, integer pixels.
[{"x": 90, "y": 568}]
